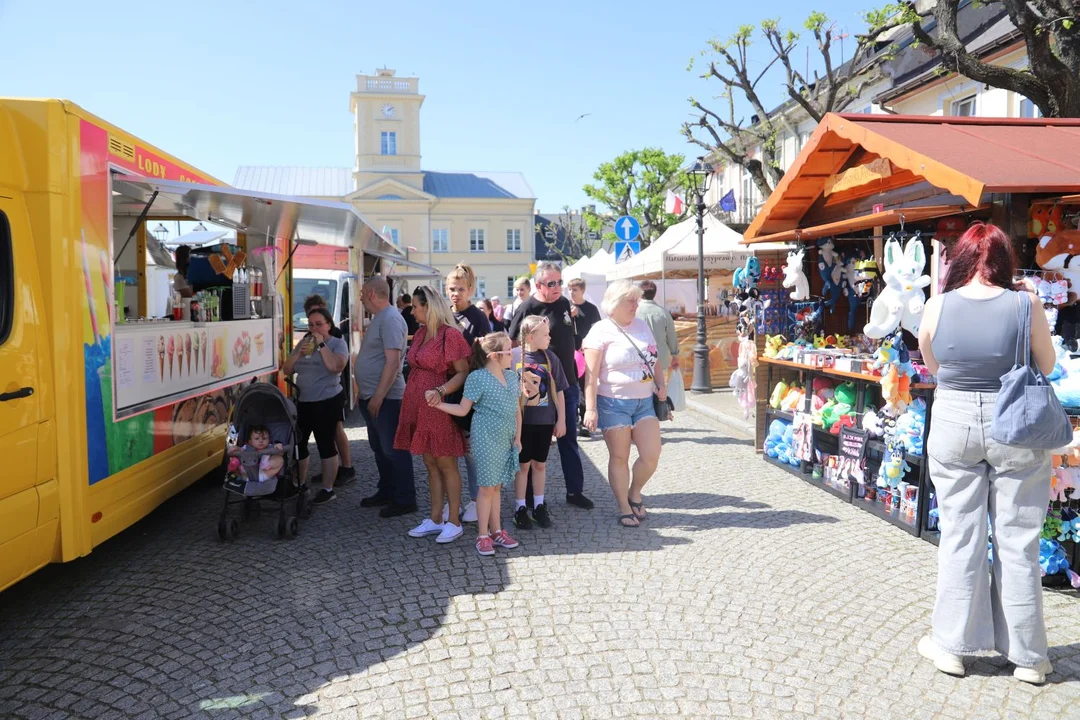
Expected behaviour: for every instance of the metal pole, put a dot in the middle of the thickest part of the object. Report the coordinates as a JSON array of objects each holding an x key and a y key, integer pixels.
[{"x": 702, "y": 380}]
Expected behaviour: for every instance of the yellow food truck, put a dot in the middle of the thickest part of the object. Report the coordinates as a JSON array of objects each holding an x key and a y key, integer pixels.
[{"x": 104, "y": 412}]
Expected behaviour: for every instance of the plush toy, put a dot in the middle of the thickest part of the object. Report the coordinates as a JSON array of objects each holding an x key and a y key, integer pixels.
[
  {"x": 1069, "y": 530},
  {"x": 841, "y": 404},
  {"x": 794, "y": 277},
  {"x": 1055, "y": 251},
  {"x": 234, "y": 464},
  {"x": 844, "y": 421},
  {"x": 1052, "y": 561},
  {"x": 910, "y": 427},
  {"x": 793, "y": 400},
  {"x": 893, "y": 466},
  {"x": 901, "y": 301},
  {"x": 773, "y": 343},
  {"x": 1051, "y": 524},
  {"x": 748, "y": 276},
  {"x": 819, "y": 342},
  {"x": 830, "y": 271},
  {"x": 1063, "y": 480},
  {"x": 1038, "y": 219},
  {"x": 872, "y": 423},
  {"x": 822, "y": 390},
  {"x": 775, "y": 437},
  {"x": 778, "y": 392}
]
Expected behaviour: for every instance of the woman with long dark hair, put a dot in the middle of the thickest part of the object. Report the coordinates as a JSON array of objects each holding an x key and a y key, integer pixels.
[
  {"x": 489, "y": 310},
  {"x": 969, "y": 337}
]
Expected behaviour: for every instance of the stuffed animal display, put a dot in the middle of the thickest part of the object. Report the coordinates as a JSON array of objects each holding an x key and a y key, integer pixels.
[
  {"x": 1055, "y": 251},
  {"x": 838, "y": 410},
  {"x": 794, "y": 277},
  {"x": 1052, "y": 561},
  {"x": 779, "y": 442},
  {"x": 910, "y": 426},
  {"x": 901, "y": 301},
  {"x": 748, "y": 276}
]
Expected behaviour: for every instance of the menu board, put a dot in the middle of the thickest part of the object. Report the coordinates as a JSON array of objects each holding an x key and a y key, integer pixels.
[{"x": 157, "y": 364}]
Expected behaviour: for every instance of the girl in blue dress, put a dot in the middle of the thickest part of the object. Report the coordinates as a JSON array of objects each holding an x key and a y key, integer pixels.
[{"x": 492, "y": 388}]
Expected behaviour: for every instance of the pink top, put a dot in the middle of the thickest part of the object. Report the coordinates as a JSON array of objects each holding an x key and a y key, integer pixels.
[{"x": 623, "y": 375}]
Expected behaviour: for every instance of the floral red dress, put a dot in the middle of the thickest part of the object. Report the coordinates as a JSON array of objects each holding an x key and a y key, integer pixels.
[{"x": 421, "y": 428}]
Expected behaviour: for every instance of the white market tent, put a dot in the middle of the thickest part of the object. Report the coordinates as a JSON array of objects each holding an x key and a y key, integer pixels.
[{"x": 593, "y": 270}]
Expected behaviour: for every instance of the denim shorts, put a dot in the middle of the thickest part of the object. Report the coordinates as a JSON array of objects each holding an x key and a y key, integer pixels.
[{"x": 612, "y": 413}]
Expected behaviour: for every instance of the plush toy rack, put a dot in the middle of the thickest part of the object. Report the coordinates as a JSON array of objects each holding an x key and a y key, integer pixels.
[{"x": 919, "y": 524}]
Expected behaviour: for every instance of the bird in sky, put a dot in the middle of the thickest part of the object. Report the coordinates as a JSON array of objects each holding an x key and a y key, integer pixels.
[{"x": 583, "y": 115}]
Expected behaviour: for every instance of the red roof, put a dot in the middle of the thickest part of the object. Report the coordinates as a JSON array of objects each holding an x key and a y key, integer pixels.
[{"x": 968, "y": 157}]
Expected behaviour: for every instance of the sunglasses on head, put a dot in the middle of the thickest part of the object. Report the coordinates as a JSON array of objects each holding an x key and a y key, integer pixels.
[{"x": 551, "y": 283}]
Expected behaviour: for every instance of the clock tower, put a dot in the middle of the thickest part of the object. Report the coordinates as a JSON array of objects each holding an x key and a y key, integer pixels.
[{"x": 386, "y": 122}]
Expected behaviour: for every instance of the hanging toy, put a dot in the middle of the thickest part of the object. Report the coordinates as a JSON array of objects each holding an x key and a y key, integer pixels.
[
  {"x": 901, "y": 301},
  {"x": 850, "y": 279},
  {"x": 794, "y": 277},
  {"x": 748, "y": 276},
  {"x": 829, "y": 268},
  {"x": 894, "y": 362}
]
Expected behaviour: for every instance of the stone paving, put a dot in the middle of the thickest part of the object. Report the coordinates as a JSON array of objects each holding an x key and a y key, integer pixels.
[{"x": 747, "y": 594}]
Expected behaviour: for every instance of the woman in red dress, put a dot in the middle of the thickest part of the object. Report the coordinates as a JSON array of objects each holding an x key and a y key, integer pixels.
[{"x": 438, "y": 365}]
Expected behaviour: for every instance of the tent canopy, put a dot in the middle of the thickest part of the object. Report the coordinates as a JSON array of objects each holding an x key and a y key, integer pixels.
[{"x": 675, "y": 253}]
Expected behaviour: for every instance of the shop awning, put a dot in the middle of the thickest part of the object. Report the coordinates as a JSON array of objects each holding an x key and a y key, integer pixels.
[
  {"x": 406, "y": 268},
  {"x": 886, "y": 218},
  {"x": 262, "y": 216},
  {"x": 966, "y": 157}
]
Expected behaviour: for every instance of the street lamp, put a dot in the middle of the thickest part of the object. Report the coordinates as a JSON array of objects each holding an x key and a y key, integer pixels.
[
  {"x": 160, "y": 232},
  {"x": 199, "y": 228},
  {"x": 697, "y": 182}
]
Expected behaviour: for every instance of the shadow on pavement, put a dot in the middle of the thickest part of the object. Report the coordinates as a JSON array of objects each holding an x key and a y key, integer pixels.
[{"x": 166, "y": 621}]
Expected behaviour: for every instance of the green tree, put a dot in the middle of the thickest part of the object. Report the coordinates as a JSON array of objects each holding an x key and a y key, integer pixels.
[
  {"x": 571, "y": 235},
  {"x": 636, "y": 183},
  {"x": 1050, "y": 30}
]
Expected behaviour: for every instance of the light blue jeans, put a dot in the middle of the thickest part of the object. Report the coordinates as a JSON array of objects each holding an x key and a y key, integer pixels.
[{"x": 1000, "y": 608}]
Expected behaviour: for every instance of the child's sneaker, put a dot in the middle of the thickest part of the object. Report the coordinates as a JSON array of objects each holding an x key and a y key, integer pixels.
[
  {"x": 426, "y": 528},
  {"x": 522, "y": 521},
  {"x": 503, "y": 540},
  {"x": 485, "y": 545},
  {"x": 540, "y": 516}
]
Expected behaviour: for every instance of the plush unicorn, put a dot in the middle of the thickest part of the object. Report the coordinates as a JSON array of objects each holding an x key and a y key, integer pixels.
[
  {"x": 901, "y": 301},
  {"x": 748, "y": 276},
  {"x": 794, "y": 277}
]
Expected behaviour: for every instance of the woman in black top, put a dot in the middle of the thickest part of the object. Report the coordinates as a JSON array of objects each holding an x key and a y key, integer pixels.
[
  {"x": 460, "y": 287},
  {"x": 489, "y": 311}
]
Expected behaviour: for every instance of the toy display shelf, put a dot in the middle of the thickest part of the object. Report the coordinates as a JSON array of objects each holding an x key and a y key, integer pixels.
[{"x": 866, "y": 387}]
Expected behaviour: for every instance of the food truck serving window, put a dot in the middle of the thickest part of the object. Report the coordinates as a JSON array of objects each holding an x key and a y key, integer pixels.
[{"x": 7, "y": 280}]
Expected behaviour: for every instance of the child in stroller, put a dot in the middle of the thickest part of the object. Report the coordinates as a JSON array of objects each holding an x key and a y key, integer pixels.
[
  {"x": 264, "y": 469},
  {"x": 270, "y": 466}
]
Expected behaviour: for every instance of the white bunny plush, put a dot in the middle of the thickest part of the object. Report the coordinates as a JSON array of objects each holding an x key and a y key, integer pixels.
[
  {"x": 901, "y": 301},
  {"x": 794, "y": 277}
]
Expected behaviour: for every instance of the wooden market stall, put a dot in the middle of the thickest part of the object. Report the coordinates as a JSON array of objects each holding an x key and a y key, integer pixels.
[{"x": 862, "y": 179}]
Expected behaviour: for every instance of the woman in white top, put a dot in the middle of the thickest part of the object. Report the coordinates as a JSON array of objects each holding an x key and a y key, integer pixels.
[{"x": 621, "y": 354}]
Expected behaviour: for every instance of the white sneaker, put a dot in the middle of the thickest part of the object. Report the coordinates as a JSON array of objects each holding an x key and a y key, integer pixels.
[
  {"x": 945, "y": 662},
  {"x": 426, "y": 528},
  {"x": 449, "y": 533},
  {"x": 469, "y": 515},
  {"x": 446, "y": 513},
  {"x": 1036, "y": 675}
]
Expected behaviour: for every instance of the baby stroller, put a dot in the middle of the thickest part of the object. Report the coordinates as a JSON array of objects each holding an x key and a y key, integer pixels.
[{"x": 263, "y": 404}]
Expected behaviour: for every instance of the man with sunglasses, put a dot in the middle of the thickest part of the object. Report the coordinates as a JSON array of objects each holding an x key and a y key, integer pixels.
[{"x": 548, "y": 301}]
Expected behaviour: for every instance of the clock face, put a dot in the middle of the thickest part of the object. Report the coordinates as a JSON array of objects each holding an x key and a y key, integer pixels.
[{"x": 388, "y": 110}]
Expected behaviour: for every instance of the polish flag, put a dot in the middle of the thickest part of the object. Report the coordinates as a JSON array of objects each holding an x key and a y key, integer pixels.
[{"x": 673, "y": 204}]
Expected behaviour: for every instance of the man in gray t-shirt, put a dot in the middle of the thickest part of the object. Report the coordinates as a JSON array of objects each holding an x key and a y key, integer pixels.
[{"x": 378, "y": 376}]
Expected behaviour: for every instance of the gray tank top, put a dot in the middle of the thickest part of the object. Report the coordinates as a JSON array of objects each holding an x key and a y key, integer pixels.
[{"x": 975, "y": 341}]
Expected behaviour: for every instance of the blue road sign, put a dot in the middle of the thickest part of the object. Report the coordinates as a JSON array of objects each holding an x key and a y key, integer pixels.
[
  {"x": 626, "y": 249},
  {"x": 627, "y": 228}
]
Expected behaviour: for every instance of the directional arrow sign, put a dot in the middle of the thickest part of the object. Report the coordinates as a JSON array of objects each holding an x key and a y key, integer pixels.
[{"x": 627, "y": 228}]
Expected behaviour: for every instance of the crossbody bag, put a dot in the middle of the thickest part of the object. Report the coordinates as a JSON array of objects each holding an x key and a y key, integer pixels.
[{"x": 663, "y": 408}]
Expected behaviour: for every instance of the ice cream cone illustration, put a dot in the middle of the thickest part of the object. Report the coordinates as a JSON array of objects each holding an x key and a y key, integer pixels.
[
  {"x": 161, "y": 356},
  {"x": 180, "y": 355},
  {"x": 204, "y": 350},
  {"x": 260, "y": 343},
  {"x": 171, "y": 349},
  {"x": 196, "y": 353},
  {"x": 187, "y": 351}
]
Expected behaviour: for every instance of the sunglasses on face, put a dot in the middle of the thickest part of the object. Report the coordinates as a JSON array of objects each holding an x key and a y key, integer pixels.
[{"x": 551, "y": 284}]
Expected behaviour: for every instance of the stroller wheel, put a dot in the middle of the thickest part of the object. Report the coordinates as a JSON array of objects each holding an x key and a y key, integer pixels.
[
  {"x": 222, "y": 531},
  {"x": 234, "y": 528},
  {"x": 282, "y": 528},
  {"x": 294, "y": 527}
]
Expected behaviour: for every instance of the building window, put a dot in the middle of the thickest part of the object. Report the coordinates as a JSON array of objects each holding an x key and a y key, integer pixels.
[
  {"x": 747, "y": 204},
  {"x": 481, "y": 288},
  {"x": 440, "y": 240},
  {"x": 1029, "y": 109},
  {"x": 389, "y": 143},
  {"x": 476, "y": 240},
  {"x": 510, "y": 287},
  {"x": 394, "y": 236},
  {"x": 964, "y": 108},
  {"x": 513, "y": 241}
]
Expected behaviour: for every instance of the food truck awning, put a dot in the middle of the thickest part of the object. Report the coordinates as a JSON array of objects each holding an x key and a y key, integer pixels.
[
  {"x": 262, "y": 216},
  {"x": 959, "y": 161},
  {"x": 404, "y": 268}
]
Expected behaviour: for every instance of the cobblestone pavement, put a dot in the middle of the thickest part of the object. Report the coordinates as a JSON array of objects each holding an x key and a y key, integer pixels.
[{"x": 748, "y": 594}]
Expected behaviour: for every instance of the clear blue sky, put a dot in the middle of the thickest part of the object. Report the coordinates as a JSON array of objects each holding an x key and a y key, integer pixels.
[{"x": 221, "y": 84}]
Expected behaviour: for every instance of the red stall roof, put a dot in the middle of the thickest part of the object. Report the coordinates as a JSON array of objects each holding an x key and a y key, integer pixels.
[{"x": 966, "y": 156}]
